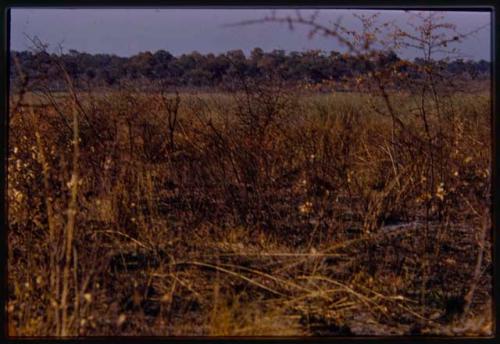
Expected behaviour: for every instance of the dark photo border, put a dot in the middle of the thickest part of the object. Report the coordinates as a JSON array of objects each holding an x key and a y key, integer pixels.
[{"x": 478, "y": 5}]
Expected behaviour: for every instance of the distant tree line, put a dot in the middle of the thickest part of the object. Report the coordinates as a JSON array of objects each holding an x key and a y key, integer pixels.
[{"x": 211, "y": 70}]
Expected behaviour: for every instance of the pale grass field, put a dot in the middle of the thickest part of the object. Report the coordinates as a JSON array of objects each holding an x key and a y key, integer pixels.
[{"x": 288, "y": 214}]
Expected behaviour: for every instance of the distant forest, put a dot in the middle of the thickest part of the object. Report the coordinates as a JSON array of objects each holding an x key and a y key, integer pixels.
[{"x": 211, "y": 70}]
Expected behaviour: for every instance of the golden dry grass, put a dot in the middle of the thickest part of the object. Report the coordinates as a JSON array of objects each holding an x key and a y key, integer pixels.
[{"x": 276, "y": 213}]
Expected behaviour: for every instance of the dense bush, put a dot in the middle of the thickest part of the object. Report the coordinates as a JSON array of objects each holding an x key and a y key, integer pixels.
[{"x": 197, "y": 70}]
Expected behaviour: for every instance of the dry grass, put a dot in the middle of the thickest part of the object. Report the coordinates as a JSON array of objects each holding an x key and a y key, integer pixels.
[{"x": 270, "y": 212}]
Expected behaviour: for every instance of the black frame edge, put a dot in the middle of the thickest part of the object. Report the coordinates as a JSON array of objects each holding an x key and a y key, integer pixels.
[{"x": 4, "y": 126}]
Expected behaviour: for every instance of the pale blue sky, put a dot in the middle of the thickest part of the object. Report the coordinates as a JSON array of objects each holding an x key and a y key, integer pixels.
[{"x": 128, "y": 31}]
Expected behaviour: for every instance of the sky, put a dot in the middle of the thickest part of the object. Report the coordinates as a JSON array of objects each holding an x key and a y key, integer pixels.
[{"x": 126, "y": 32}]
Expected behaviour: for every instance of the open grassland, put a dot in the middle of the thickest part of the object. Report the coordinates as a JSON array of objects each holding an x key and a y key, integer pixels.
[{"x": 266, "y": 212}]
